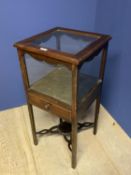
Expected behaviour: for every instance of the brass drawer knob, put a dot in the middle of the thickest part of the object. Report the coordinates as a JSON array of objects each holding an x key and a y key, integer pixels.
[{"x": 47, "y": 106}]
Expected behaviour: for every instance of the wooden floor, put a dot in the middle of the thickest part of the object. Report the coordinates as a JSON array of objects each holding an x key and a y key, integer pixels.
[{"x": 107, "y": 153}]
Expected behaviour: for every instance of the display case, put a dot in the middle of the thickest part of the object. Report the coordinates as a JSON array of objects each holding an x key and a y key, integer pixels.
[{"x": 51, "y": 64}]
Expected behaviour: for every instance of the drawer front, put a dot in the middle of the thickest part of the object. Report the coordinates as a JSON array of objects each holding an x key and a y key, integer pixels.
[{"x": 50, "y": 107}]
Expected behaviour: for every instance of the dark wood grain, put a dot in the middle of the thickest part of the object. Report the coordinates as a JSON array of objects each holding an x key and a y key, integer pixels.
[
  {"x": 26, "y": 86},
  {"x": 74, "y": 114},
  {"x": 78, "y": 58},
  {"x": 73, "y": 62},
  {"x": 101, "y": 76}
]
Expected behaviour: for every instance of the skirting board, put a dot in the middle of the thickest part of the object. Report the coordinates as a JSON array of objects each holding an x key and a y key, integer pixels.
[{"x": 114, "y": 124}]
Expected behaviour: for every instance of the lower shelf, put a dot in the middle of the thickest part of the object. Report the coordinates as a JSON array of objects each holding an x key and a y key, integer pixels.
[{"x": 58, "y": 85}]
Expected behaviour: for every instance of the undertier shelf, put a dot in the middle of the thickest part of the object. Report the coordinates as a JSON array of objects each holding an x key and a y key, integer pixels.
[{"x": 58, "y": 85}]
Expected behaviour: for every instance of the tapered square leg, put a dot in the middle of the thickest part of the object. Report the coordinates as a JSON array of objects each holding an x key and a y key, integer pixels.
[
  {"x": 96, "y": 114},
  {"x": 74, "y": 144},
  {"x": 32, "y": 121}
]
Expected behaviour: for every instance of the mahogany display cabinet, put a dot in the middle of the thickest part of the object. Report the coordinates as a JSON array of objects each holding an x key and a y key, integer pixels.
[{"x": 51, "y": 65}]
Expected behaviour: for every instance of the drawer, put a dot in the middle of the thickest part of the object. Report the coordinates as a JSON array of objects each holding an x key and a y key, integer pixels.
[{"x": 49, "y": 106}]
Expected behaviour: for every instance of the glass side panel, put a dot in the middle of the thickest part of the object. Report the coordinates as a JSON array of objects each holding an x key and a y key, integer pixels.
[
  {"x": 49, "y": 79},
  {"x": 56, "y": 80},
  {"x": 57, "y": 84},
  {"x": 92, "y": 66},
  {"x": 37, "y": 69},
  {"x": 64, "y": 42}
]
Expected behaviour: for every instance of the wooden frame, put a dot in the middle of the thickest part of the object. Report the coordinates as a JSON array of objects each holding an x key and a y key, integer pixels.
[
  {"x": 72, "y": 61},
  {"x": 85, "y": 54}
]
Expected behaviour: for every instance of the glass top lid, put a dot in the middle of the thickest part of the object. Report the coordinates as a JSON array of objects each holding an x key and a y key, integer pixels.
[{"x": 64, "y": 42}]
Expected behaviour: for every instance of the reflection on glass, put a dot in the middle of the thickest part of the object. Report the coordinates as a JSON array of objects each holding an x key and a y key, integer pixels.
[
  {"x": 65, "y": 42},
  {"x": 56, "y": 84},
  {"x": 37, "y": 69},
  {"x": 55, "y": 81}
]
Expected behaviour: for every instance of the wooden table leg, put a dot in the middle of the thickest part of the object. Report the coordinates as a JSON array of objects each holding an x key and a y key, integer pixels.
[
  {"x": 74, "y": 115},
  {"x": 74, "y": 143},
  {"x": 96, "y": 114},
  {"x": 101, "y": 77},
  {"x": 32, "y": 121}
]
